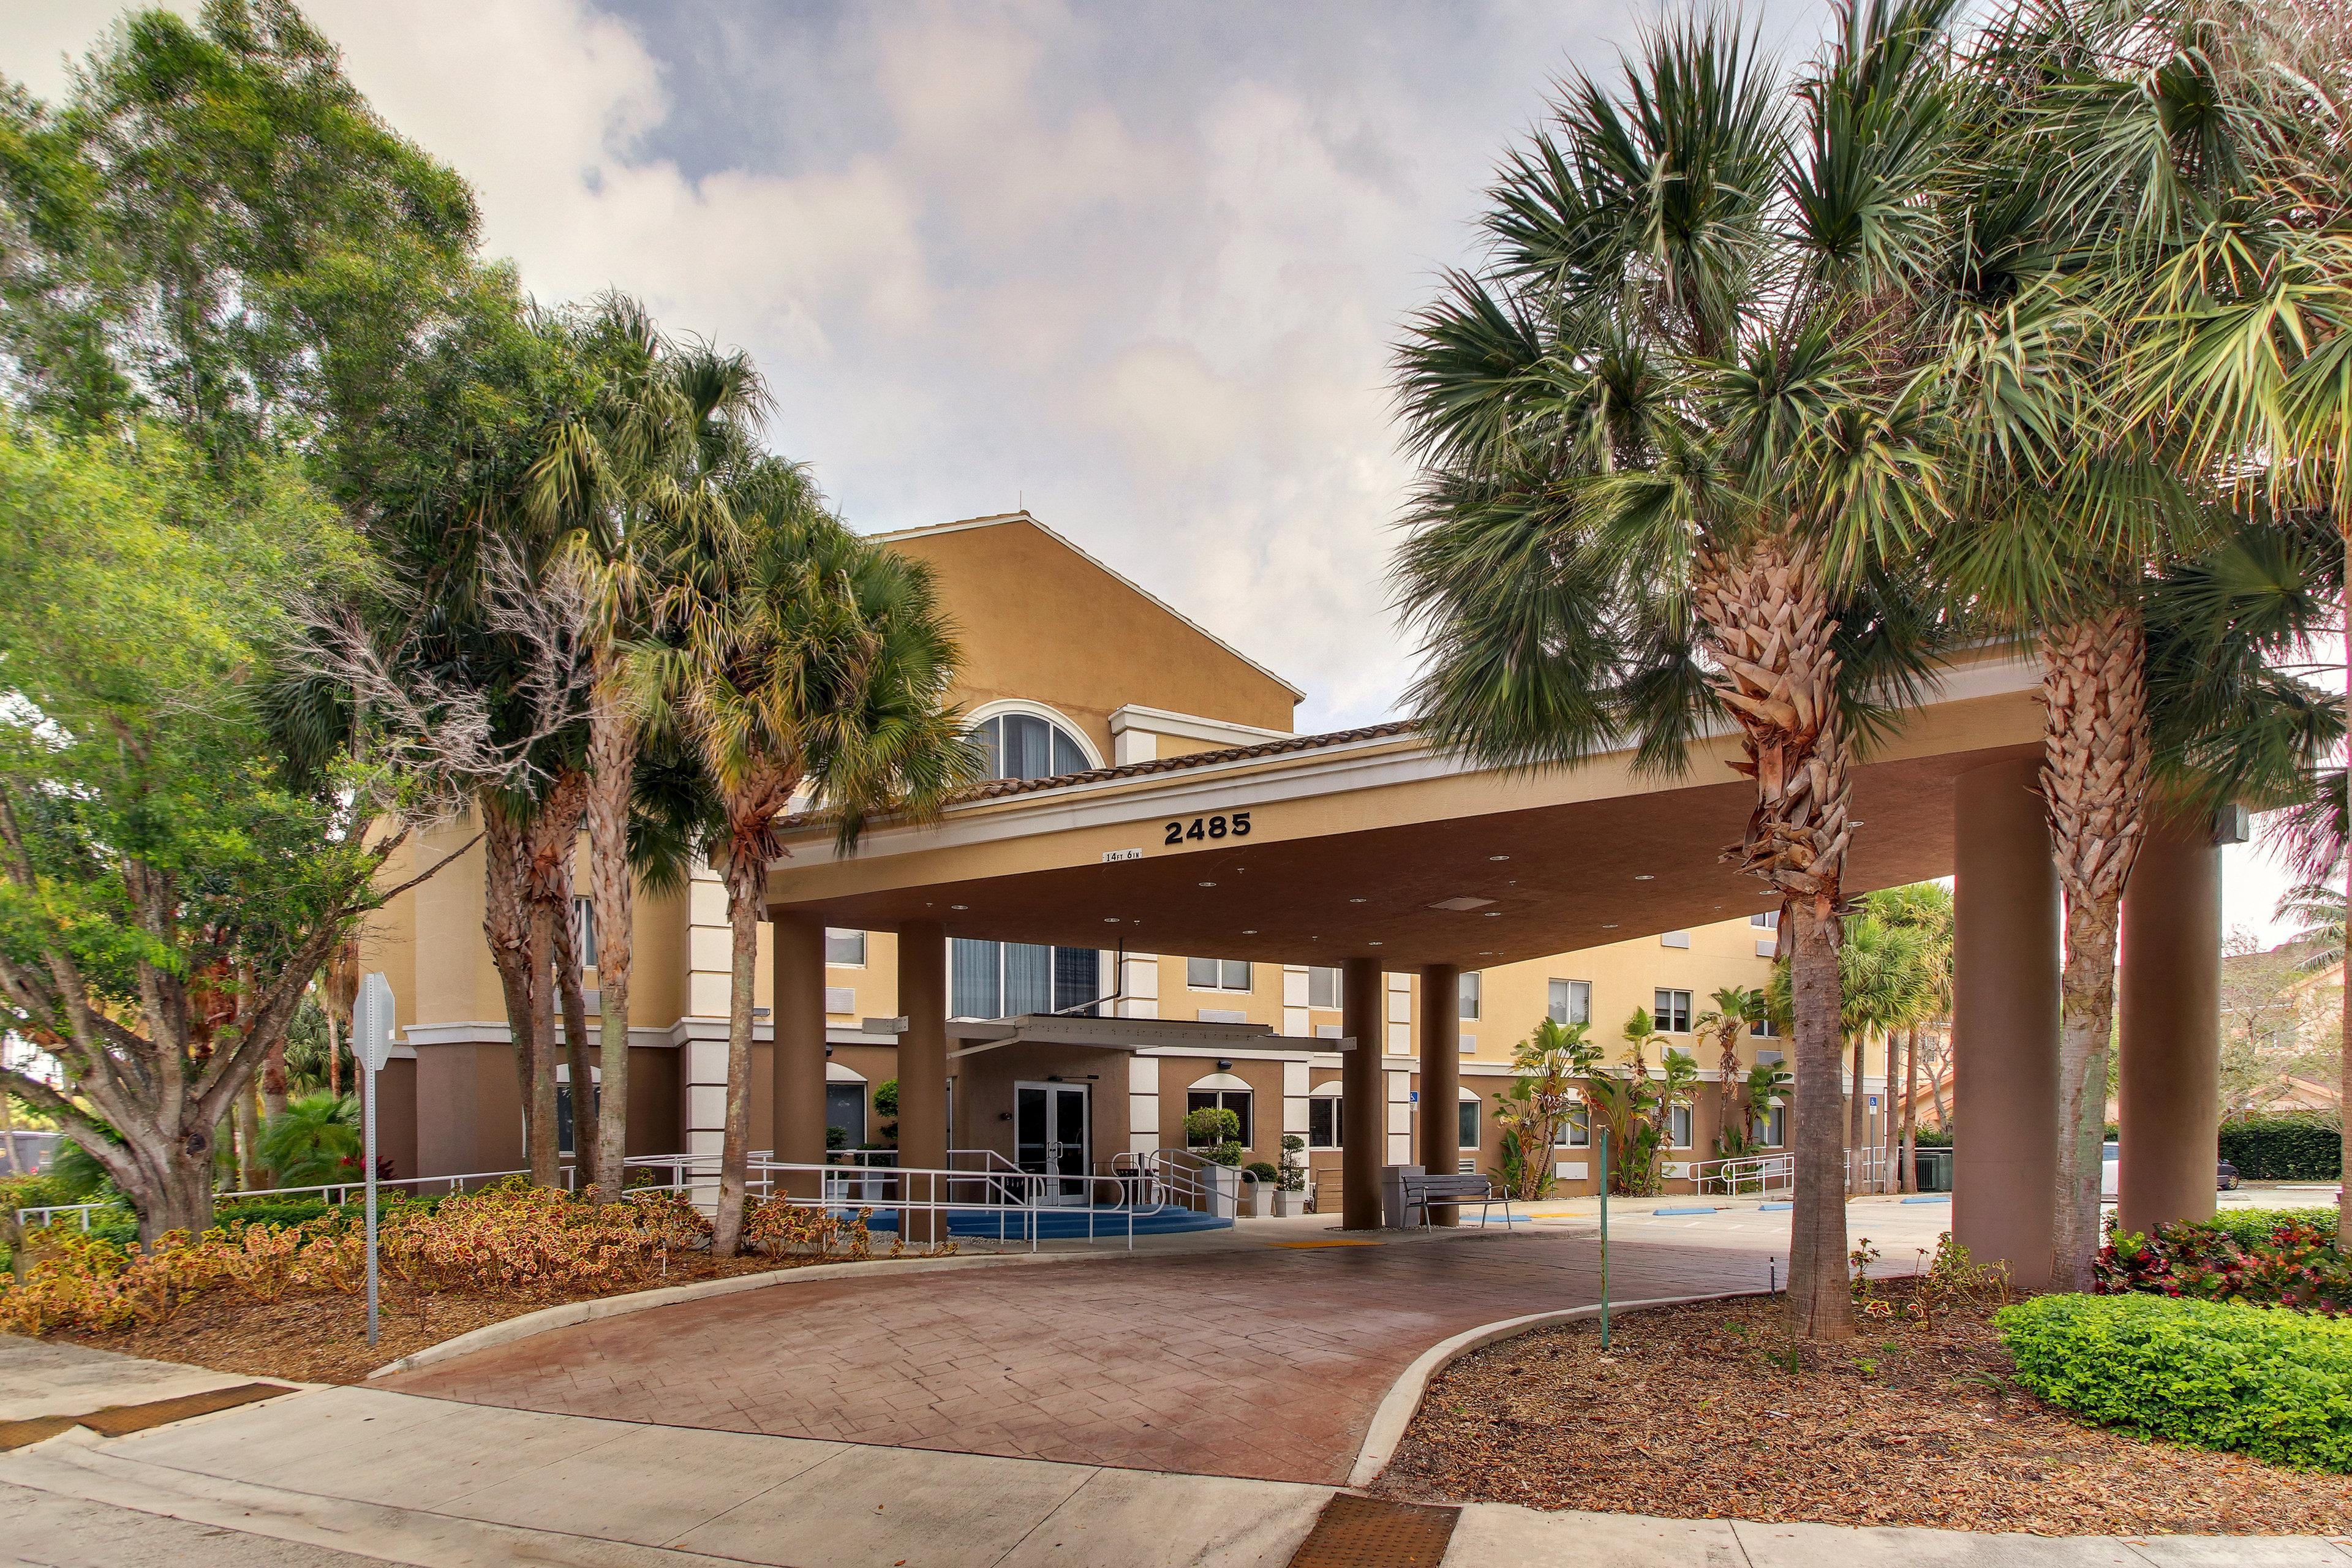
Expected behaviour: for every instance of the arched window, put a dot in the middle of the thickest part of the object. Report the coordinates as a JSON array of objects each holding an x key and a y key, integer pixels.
[{"x": 1019, "y": 746}]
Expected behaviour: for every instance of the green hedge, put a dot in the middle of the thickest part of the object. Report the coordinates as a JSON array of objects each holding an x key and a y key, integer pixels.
[
  {"x": 2283, "y": 1149},
  {"x": 2250, "y": 1228},
  {"x": 2262, "y": 1381}
]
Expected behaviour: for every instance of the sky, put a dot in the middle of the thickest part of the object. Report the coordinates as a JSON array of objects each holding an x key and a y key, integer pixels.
[{"x": 1138, "y": 266}]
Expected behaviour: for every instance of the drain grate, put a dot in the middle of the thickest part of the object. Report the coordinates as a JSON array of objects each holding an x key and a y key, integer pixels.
[{"x": 1372, "y": 1532}]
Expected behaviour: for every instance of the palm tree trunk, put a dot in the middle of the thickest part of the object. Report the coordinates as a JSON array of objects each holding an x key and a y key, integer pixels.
[
  {"x": 1907, "y": 1117},
  {"x": 612, "y": 759},
  {"x": 1855, "y": 1130},
  {"x": 746, "y": 871},
  {"x": 334, "y": 1053},
  {"x": 1821, "y": 1302},
  {"x": 1767, "y": 621},
  {"x": 546, "y": 1155},
  {"x": 505, "y": 924},
  {"x": 575, "y": 1037},
  {"x": 2095, "y": 776}
]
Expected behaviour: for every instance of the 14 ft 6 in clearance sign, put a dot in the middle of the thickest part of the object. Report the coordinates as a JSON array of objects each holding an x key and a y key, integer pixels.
[{"x": 1192, "y": 830}]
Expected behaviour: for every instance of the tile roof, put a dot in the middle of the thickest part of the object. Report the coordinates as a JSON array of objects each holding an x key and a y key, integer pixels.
[{"x": 995, "y": 789}]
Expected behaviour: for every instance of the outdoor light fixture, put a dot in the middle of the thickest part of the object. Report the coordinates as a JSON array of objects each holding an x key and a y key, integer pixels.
[
  {"x": 1498, "y": 857},
  {"x": 1371, "y": 944},
  {"x": 1111, "y": 920},
  {"x": 958, "y": 906},
  {"x": 1208, "y": 884},
  {"x": 1224, "y": 1066},
  {"x": 1494, "y": 914},
  {"x": 1359, "y": 901},
  {"x": 1608, "y": 925},
  {"x": 1250, "y": 931},
  {"x": 1644, "y": 877}
]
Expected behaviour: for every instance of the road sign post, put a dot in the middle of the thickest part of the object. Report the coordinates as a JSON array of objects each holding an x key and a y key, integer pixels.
[
  {"x": 371, "y": 1044},
  {"x": 1601, "y": 1139}
]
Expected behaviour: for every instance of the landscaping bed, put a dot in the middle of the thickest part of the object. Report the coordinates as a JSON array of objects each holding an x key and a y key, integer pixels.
[
  {"x": 286, "y": 1300},
  {"x": 322, "y": 1336},
  {"x": 1696, "y": 1415}
]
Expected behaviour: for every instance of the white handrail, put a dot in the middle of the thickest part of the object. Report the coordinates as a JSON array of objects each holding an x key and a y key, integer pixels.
[
  {"x": 1751, "y": 1173},
  {"x": 346, "y": 1189}
]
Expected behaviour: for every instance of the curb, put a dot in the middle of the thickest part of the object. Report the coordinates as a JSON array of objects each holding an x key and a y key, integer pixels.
[
  {"x": 570, "y": 1313},
  {"x": 1397, "y": 1407}
]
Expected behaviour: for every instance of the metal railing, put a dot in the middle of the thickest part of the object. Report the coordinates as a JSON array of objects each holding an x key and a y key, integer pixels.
[
  {"x": 1748, "y": 1173},
  {"x": 1019, "y": 1200}
]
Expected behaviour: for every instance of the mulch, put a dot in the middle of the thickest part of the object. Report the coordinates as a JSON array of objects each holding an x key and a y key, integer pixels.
[
  {"x": 1695, "y": 1414},
  {"x": 321, "y": 1337}
]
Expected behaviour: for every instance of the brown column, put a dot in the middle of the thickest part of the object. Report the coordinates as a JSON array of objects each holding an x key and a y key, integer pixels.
[
  {"x": 923, "y": 1066},
  {"x": 1440, "y": 1077},
  {"x": 1363, "y": 1093},
  {"x": 799, "y": 1016},
  {"x": 2005, "y": 948},
  {"x": 2170, "y": 1002}
]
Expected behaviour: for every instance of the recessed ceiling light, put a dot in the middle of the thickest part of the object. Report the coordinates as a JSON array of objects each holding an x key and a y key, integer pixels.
[
  {"x": 1645, "y": 877},
  {"x": 1498, "y": 857},
  {"x": 1251, "y": 931},
  {"x": 1494, "y": 914},
  {"x": 958, "y": 906},
  {"x": 1111, "y": 920},
  {"x": 1486, "y": 952},
  {"x": 1208, "y": 884},
  {"x": 1608, "y": 925},
  {"x": 1371, "y": 944}
]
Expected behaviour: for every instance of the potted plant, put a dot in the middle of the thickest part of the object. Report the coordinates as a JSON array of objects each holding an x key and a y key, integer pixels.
[
  {"x": 1290, "y": 1179},
  {"x": 1263, "y": 1177},
  {"x": 1214, "y": 1136}
]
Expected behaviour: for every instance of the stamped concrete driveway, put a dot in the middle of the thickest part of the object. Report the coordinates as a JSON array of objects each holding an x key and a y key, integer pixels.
[{"x": 1259, "y": 1362}]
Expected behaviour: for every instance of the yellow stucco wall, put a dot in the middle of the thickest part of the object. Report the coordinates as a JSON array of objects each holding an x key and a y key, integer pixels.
[{"x": 1040, "y": 621}]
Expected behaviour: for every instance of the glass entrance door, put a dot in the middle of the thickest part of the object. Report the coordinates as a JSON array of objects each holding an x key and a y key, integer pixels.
[{"x": 1049, "y": 1134}]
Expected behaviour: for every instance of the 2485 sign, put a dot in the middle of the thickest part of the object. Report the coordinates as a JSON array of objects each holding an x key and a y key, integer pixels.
[{"x": 1235, "y": 826}]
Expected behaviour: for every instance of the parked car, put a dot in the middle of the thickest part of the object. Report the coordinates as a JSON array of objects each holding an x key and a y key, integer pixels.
[{"x": 2225, "y": 1174}]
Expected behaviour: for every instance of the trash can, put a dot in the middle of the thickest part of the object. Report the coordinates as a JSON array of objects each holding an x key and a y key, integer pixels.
[{"x": 1392, "y": 1193}]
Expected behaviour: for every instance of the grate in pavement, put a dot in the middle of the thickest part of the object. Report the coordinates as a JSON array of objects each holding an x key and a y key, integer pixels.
[{"x": 1372, "y": 1532}]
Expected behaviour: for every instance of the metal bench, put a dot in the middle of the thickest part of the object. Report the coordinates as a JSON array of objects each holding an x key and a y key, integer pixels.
[{"x": 1421, "y": 1191}]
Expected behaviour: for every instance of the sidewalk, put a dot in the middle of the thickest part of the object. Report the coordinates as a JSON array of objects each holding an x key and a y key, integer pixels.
[{"x": 338, "y": 1475}]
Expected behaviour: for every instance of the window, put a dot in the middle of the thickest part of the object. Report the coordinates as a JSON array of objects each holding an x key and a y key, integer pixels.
[
  {"x": 1764, "y": 1028},
  {"x": 1571, "y": 1002},
  {"x": 1678, "y": 1127},
  {"x": 1008, "y": 979},
  {"x": 584, "y": 930},
  {"x": 1469, "y": 1124},
  {"x": 1024, "y": 746},
  {"x": 1572, "y": 1130},
  {"x": 1217, "y": 973},
  {"x": 1323, "y": 1122},
  {"x": 564, "y": 1115},
  {"x": 1776, "y": 1127},
  {"x": 1674, "y": 1011},
  {"x": 1471, "y": 987},
  {"x": 1236, "y": 1100},
  {"x": 1769, "y": 920},
  {"x": 845, "y": 949},
  {"x": 845, "y": 1112},
  {"x": 1675, "y": 939},
  {"x": 1323, "y": 987}
]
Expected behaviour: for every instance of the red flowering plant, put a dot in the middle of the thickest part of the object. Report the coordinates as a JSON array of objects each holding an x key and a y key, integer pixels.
[{"x": 2288, "y": 1262}]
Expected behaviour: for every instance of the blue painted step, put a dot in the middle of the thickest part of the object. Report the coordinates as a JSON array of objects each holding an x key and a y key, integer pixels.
[{"x": 1058, "y": 1225}]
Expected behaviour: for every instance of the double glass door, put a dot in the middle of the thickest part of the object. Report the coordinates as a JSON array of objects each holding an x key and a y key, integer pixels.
[{"x": 1049, "y": 1138}]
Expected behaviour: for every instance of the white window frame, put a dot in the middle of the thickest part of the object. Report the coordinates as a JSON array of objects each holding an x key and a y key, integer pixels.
[
  {"x": 1661, "y": 1015},
  {"x": 1684, "y": 1113},
  {"x": 1577, "y": 989},
  {"x": 1224, "y": 971},
  {"x": 1317, "y": 972},
  {"x": 863, "y": 947},
  {"x": 1578, "y": 1125},
  {"x": 1472, "y": 990},
  {"x": 583, "y": 929},
  {"x": 1776, "y": 1127}
]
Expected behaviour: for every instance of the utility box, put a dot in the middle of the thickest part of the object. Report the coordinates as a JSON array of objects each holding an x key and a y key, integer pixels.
[
  {"x": 1931, "y": 1170},
  {"x": 1392, "y": 1193}
]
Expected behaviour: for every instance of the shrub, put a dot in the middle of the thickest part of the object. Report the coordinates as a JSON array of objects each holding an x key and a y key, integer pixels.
[
  {"x": 1263, "y": 1171},
  {"x": 2292, "y": 1148},
  {"x": 314, "y": 1140},
  {"x": 1212, "y": 1124},
  {"x": 775, "y": 1226},
  {"x": 2213, "y": 1375},
  {"x": 2270, "y": 1257}
]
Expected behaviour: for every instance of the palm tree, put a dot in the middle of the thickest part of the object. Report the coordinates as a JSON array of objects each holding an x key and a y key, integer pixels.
[
  {"x": 1675, "y": 473},
  {"x": 1544, "y": 1067},
  {"x": 667, "y": 431},
  {"x": 1925, "y": 908},
  {"x": 1885, "y": 984},
  {"x": 1737, "y": 1007},
  {"x": 794, "y": 656},
  {"x": 2317, "y": 911}
]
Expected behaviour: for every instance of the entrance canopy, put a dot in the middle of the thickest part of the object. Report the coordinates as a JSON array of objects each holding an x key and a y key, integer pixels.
[{"x": 1371, "y": 843}]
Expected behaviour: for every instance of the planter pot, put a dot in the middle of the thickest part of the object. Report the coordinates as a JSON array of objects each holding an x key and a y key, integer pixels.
[
  {"x": 1287, "y": 1204},
  {"x": 1224, "y": 1185}
]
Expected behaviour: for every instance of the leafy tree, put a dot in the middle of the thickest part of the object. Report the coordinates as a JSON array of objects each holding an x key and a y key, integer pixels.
[
  {"x": 1735, "y": 1009},
  {"x": 1925, "y": 909},
  {"x": 1675, "y": 472},
  {"x": 167, "y": 890},
  {"x": 1545, "y": 1067}
]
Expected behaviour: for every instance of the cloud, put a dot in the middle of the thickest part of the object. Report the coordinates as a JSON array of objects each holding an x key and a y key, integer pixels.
[{"x": 1138, "y": 266}]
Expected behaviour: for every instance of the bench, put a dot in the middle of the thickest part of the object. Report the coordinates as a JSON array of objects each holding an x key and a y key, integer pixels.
[{"x": 1422, "y": 1191}]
